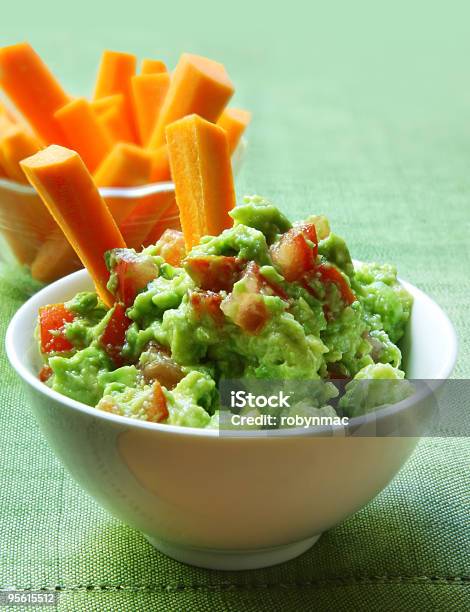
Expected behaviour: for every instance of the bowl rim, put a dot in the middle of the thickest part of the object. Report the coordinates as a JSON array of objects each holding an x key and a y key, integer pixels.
[
  {"x": 33, "y": 381},
  {"x": 139, "y": 191}
]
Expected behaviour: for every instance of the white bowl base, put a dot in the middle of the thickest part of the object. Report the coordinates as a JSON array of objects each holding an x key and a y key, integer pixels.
[{"x": 232, "y": 559}]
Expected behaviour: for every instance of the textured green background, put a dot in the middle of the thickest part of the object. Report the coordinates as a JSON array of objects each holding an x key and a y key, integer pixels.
[{"x": 361, "y": 111}]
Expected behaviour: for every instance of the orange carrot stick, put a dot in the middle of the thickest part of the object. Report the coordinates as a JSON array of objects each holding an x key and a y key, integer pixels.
[
  {"x": 127, "y": 165},
  {"x": 202, "y": 173},
  {"x": 152, "y": 66},
  {"x": 66, "y": 187},
  {"x": 114, "y": 121},
  {"x": 16, "y": 144},
  {"x": 234, "y": 121},
  {"x": 160, "y": 165},
  {"x": 34, "y": 90},
  {"x": 114, "y": 76},
  {"x": 148, "y": 94},
  {"x": 84, "y": 132},
  {"x": 101, "y": 105},
  {"x": 198, "y": 85}
]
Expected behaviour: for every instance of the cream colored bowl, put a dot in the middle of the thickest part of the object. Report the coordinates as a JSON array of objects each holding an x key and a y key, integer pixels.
[{"x": 238, "y": 502}]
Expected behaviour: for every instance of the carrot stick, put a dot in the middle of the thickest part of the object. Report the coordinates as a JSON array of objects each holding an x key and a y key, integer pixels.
[
  {"x": 66, "y": 187},
  {"x": 114, "y": 76},
  {"x": 84, "y": 132},
  {"x": 127, "y": 165},
  {"x": 198, "y": 85},
  {"x": 152, "y": 66},
  {"x": 34, "y": 90},
  {"x": 54, "y": 259},
  {"x": 160, "y": 165},
  {"x": 114, "y": 121},
  {"x": 101, "y": 105},
  {"x": 234, "y": 121},
  {"x": 148, "y": 94},
  {"x": 16, "y": 144},
  {"x": 202, "y": 173}
]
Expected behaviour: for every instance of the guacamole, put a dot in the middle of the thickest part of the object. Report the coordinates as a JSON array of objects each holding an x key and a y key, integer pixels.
[{"x": 265, "y": 299}]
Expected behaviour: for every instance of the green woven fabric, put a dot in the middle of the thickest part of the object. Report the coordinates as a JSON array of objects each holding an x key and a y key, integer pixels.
[{"x": 362, "y": 112}]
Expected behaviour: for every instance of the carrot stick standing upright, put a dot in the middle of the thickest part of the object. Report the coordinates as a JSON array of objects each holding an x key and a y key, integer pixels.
[
  {"x": 114, "y": 77},
  {"x": 198, "y": 85},
  {"x": 148, "y": 94},
  {"x": 160, "y": 165},
  {"x": 34, "y": 90},
  {"x": 16, "y": 144},
  {"x": 127, "y": 165},
  {"x": 234, "y": 121},
  {"x": 202, "y": 173},
  {"x": 152, "y": 66},
  {"x": 67, "y": 188},
  {"x": 114, "y": 121},
  {"x": 84, "y": 132},
  {"x": 101, "y": 105}
]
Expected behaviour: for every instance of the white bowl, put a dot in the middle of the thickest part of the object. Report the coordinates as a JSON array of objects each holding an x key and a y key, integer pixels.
[{"x": 237, "y": 502}]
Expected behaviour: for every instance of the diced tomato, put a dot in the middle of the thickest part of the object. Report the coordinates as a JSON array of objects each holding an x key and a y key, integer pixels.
[
  {"x": 331, "y": 274},
  {"x": 251, "y": 314},
  {"x": 114, "y": 335},
  {"x": 157, "y": 410},
  {"x": 52, "y": 319},
  {"x": 207, "y": 303},
  {"x": 45, "y": 373},
  {"x": 171, "y": 247},
  {"x": 292, "y": 254},
  {"x": 134, "y": 272},
  {"x": 214, "y": 272},
  {"x": 257, "y": 283}
]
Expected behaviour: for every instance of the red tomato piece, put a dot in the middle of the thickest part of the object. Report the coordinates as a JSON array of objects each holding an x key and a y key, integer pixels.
[
  {"x": 331, "y": 274},
  {"x": 114, "y": 335},
  {"x": 52, "y": 319},
  {"x": 171, "y": 247},
  {"x": 252, "y": 313},
  {"x": 257, "y": 283},
  {"x": 292, "y": 254},
  {"x": 134, "y": 272},
  {"x": 214, "y": 272},
  {"x": 207, "y": 303}
]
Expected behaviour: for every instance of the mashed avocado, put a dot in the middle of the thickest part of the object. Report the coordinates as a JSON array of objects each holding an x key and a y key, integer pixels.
[{"x": 265, "y": 299}]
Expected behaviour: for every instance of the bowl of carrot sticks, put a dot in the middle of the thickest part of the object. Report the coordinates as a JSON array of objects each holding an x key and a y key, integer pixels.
[{"x": 119, "y": 134}]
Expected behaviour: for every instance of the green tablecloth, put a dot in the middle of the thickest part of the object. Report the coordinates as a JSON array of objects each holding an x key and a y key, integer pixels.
[{"x": 361, "y": 111}]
